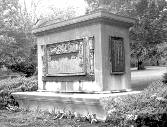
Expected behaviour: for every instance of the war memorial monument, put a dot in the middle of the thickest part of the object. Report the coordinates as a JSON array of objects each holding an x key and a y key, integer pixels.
[{"x": 79, "y": 61}]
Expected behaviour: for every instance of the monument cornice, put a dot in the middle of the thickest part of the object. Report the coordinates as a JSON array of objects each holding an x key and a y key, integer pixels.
[{"x": 96, "y": 17}]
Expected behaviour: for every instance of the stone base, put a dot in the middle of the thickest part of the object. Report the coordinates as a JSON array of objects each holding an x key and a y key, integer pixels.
[{"x": 75, "y": 102}]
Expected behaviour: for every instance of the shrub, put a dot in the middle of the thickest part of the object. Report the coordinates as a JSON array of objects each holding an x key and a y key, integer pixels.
[
  {"x": 165, "y": 78},
  {"x": 151, "y": 120},
  {"x": 25, "y": 67},
  {"x": 16, "y": 84},
  {"x": 150, "y": 101},
  {"x": 7, "y": 86}
]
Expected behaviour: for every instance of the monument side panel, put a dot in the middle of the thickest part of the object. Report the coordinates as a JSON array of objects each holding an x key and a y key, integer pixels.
[{"x": 116, "y": 74}]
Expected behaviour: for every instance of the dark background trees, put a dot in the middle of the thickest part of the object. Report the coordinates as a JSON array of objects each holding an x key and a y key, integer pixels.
[
  {"x": 18, "y": 44},
  {"x": 18, "y": 49},
  {"x": 149, "y": 34},
  {"x": 16, "y": 39}
]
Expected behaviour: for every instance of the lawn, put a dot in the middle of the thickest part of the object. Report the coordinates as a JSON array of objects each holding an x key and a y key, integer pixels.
[
  {"x": 140, "y": 79},
  {"x": 39, "y": 119}
]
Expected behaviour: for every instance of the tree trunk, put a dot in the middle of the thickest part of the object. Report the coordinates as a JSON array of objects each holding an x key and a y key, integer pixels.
[
  {"x": 140, "y": 65},
  {"x": 157, "y": 63}
]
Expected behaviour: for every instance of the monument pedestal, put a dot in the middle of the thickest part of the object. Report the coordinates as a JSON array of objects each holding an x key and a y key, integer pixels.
[{"x": 75, "y": 102}]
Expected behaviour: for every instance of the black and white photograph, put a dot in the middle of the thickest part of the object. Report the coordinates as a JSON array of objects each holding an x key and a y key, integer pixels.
[{"x": 83, "y": 63}]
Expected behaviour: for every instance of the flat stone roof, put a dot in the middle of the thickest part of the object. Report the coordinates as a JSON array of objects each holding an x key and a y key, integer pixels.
[{"x": 98, "y": 16}]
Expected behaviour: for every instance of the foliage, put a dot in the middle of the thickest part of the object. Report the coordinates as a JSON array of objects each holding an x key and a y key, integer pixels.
[
  {"x": 18, "y": 84},
  {"x": 151, "y": 120},
  {"x": 149, "y": 31},
  {"x": 40, "y": 119},
  {"x": 120, "y": 7},
  {"x": 165, "y": 78},
  {"x": 16, "y": 39},
  {"x": 150, "y": 101},
  {"x": 62, "y": 14},
  {"x": 26, "y": 67},
  {"x": 7, "y": 86},
  {"x": 150, "y": 28}
]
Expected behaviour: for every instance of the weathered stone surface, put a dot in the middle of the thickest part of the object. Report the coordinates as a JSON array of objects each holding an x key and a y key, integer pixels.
[{"x": 90, "y": 68}]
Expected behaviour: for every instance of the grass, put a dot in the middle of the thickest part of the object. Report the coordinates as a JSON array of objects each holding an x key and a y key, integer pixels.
[
  {"x": 141, "y": 79},
  {"x": 30, "y": 118},
  {"x": 39, "y": 119},
  {"x": 144, "y": 103},
  {"x": 46, "y": 119}
]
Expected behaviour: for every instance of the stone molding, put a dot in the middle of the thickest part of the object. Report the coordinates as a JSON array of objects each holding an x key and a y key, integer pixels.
[{"x": 100, "y": 16}]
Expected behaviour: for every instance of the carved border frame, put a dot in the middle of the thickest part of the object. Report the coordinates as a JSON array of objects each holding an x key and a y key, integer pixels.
[{"x": 85, "y": 76}]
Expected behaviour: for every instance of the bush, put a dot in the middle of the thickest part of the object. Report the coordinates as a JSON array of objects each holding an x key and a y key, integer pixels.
[
  {"x": 19, "y": 84},
  {"x": 150, "y": 101},
  {"x": 165, "y": 78},
  {"x": 7, "y": 86},
  {"x": 151, "y": 120},
  {"x": 25, "y": 67}
]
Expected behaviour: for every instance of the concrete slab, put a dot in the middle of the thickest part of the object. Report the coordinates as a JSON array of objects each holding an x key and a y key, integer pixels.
[{"x": 82, "y": 103}]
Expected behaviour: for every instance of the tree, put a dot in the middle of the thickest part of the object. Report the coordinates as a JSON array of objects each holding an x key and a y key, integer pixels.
[
  {"x": 17, "y": 43},
  {"x": 16, "y": 39},
  {"x": 150, "y": 28},
  {"x": 57, "y": 15},
  {"x": 121, "y": 7}
]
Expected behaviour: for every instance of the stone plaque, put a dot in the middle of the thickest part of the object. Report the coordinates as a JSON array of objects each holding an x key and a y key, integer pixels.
[
  {"x": 66, "y": 58},
  {"x": 117, "y": 55}
]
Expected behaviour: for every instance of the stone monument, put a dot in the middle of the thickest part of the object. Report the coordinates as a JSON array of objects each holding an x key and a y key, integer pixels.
[
  {"x": 88, "y": 54},
  {"x": 85, "y": 54}
]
